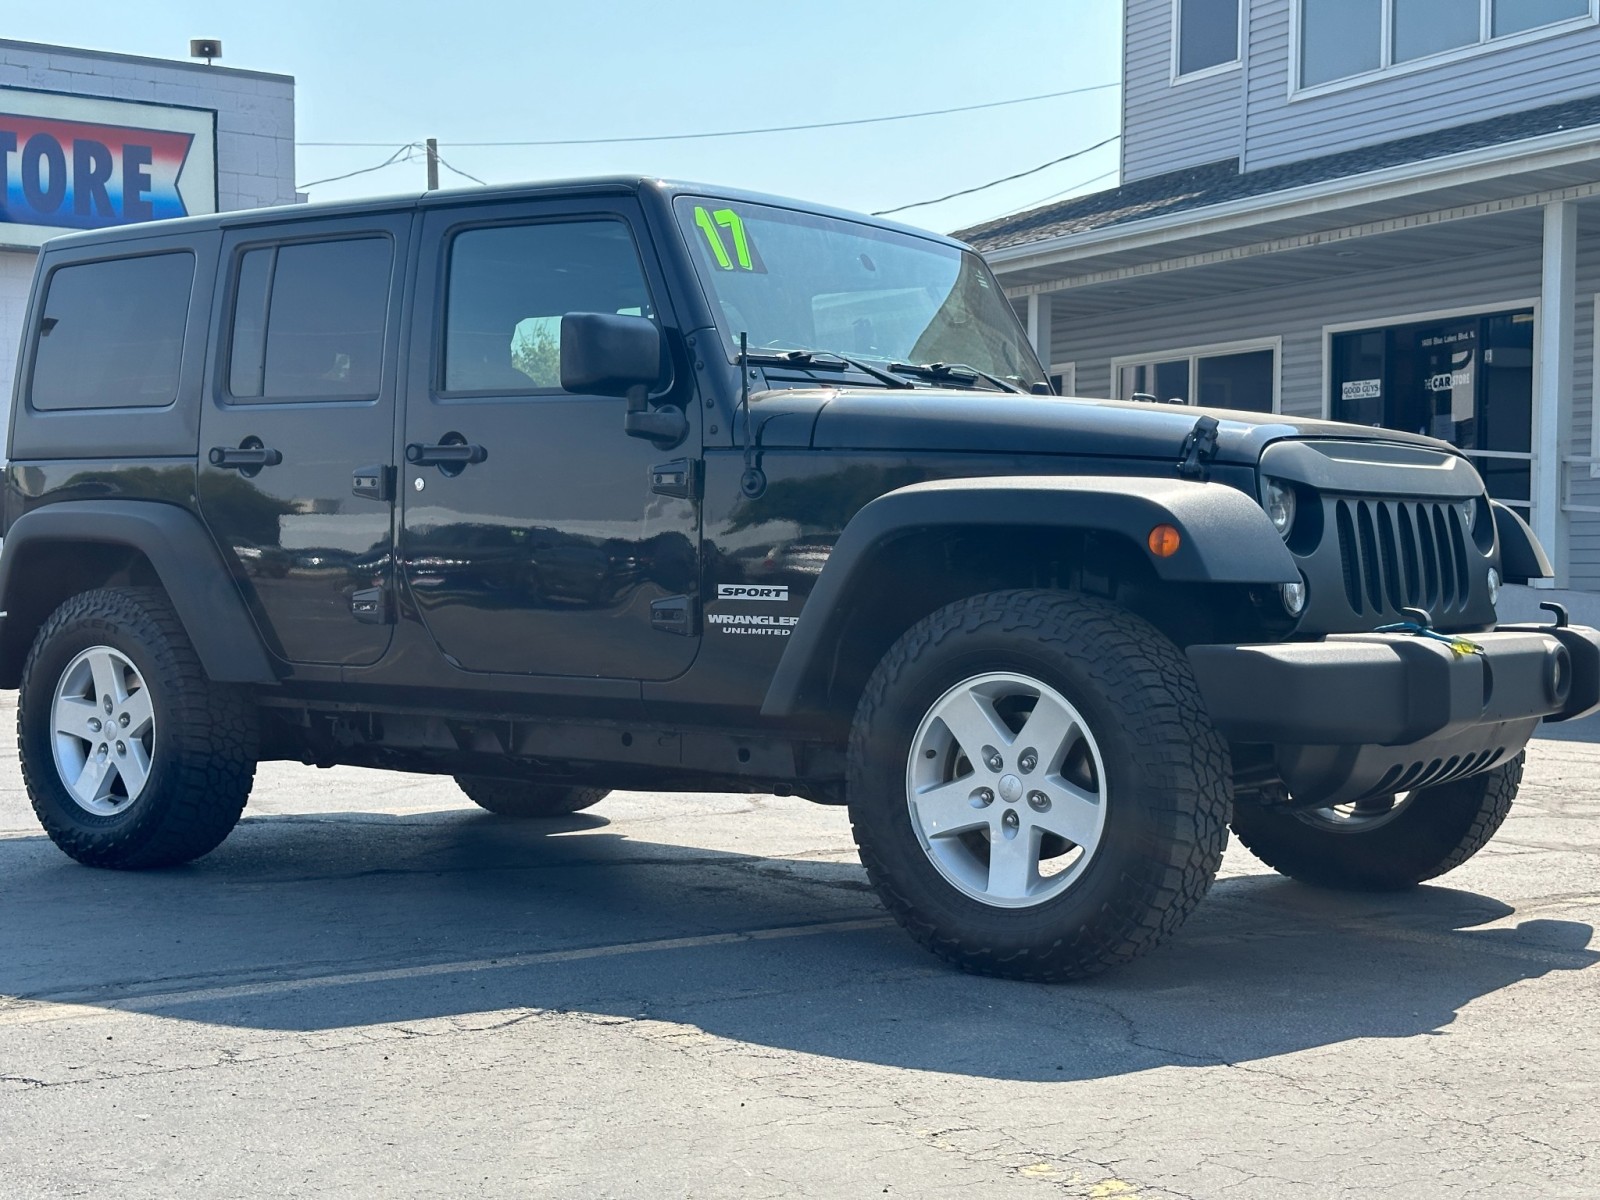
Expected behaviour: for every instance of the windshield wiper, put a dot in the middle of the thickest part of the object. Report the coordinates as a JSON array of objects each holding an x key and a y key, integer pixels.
[
  {"x": 957, "y": 371},
  {"x": 808, "y": 358}
]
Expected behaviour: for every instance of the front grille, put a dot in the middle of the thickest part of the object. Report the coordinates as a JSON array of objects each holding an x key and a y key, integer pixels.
[{"x": 1402, "y": 554}]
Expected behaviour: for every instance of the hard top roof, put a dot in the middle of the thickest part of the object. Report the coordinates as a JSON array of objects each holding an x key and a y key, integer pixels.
[{"x": 445, "y": 197}]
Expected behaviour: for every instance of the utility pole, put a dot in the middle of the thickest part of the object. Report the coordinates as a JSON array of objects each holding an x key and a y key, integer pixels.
[{"x": 433, "y": 164}]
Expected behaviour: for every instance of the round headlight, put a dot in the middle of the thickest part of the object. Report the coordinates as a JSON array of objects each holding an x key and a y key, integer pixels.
[{"x": 1277, "y": 498}]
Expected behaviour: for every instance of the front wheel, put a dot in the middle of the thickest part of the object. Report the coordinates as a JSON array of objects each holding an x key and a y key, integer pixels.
[
  {"x": 1033, "y": 785},
  {"x": 1386, "y": 843}
]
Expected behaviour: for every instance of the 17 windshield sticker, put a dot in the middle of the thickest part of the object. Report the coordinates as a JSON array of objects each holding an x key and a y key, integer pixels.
[{"x": 712, "y": 224}]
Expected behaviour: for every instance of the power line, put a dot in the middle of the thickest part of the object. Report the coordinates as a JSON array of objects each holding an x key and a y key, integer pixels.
[
  {"x": 883, "y": 212},
  {"x": 678, "y": 137},
  {"x": 1011, "y": 212},
  {"x": 449, "y": 167},
  {"x": 403, "y": 154}
]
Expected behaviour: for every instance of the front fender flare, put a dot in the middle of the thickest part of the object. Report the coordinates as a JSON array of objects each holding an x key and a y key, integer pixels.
[
  {"x": 1225, "y": 538},
  {"x": 185, "y": 559}
]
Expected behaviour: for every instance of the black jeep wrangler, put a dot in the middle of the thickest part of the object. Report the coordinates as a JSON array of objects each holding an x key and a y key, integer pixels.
[{"x": 620, "y": 484}]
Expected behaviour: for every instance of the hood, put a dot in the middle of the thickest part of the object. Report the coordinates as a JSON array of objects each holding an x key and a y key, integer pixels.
[{"x": 932, "y": 419}]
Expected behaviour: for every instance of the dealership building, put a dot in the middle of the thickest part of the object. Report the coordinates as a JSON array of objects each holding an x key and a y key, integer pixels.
[
  {"x": 1385, "y": 212},
  {"x": 90, "y": 139}
]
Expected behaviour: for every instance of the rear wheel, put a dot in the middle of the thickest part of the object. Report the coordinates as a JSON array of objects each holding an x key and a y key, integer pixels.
[
  {"x": 131, "y": 755},
  {"x": 514, "y": 798},
  {"x": 1033, "y": 786},
  {"x": 1387, "y": 843}
]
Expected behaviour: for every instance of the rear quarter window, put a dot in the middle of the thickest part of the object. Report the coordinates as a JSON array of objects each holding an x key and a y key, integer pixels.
[{"x": 111, "y": 333}]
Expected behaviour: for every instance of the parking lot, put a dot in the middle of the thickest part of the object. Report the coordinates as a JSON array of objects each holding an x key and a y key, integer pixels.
[{"x": 373, "y": 988}]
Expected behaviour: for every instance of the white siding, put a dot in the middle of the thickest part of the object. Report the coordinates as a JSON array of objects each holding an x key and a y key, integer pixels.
[
  {"x": 1167, "y": 126},
  {"x": 1493, "y": 82},
  {"x": 1298, "y": 314},
  {"x": 16, "y": 276}
]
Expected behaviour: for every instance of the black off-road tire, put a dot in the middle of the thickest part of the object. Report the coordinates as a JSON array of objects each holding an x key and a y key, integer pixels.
[
  {"x": 1438, "y": 829},
  {"x": 514, "y": 798},
  {"x": 203, "y": 757},
  {"x": 1167, "y": 789}
]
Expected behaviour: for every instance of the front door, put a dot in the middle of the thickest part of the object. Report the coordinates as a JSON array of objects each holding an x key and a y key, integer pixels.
[
  {"x": 545, "y": 543},
  {"x": 298, "y": 430}
]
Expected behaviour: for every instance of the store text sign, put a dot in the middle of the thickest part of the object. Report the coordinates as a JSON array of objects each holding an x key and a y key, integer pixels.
[{"x": 75, "y": 162}]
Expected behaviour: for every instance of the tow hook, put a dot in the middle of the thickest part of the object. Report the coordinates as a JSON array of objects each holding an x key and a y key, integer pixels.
[{"x": 1419, "y": 623}]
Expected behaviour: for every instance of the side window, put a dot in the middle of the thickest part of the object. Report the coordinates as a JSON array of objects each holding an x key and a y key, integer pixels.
[
  {"x": 112, "y": 333},
  {"x": 510, "y": 285},
  {"x": 308, "y": 320}
]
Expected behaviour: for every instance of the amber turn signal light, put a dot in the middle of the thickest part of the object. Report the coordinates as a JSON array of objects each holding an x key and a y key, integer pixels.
[{"x": 1164, "y": 541}]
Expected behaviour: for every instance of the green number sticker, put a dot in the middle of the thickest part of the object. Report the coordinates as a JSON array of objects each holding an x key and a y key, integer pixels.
[{"x": 711, "y": 224}]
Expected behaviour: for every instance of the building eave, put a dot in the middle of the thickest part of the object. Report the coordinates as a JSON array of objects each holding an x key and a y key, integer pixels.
[{"x": 1565, "y": 148}]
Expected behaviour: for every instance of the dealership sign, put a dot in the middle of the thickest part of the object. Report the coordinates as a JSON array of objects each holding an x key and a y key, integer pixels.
[{"x": 76, "y": 162}]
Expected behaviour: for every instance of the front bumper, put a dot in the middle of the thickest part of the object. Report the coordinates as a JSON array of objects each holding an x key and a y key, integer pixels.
[{"x": 1355, "y": 715}]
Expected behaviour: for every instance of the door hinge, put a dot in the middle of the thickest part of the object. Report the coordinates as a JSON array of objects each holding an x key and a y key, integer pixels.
[
  {"x": 680, "y": 477},
  {"x": 372, "y": 606},
  {"x": 373, "y": 483},
  {"x": 675, "y": 614}
]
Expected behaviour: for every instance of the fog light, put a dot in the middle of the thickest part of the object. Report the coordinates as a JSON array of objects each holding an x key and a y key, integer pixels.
[
  {"x": 1294, "y": 597},
  {"x": 1494, "y": 587}
]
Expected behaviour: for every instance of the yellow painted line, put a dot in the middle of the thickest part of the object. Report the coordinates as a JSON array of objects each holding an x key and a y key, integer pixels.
[{"x": 18, "y": 1011}]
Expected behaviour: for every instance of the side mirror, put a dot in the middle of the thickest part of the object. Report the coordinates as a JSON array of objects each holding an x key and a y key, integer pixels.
[{"x": 604, "y": 354}]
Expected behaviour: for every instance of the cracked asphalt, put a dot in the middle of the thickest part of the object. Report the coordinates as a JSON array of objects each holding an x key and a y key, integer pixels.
[{"x": 375, "y": 989}]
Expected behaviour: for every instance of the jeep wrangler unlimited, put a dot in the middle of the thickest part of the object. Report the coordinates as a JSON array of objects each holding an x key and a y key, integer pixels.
[{"x": 352, "y": 484}]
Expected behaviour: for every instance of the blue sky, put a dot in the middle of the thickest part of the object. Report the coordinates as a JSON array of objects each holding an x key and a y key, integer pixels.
[{"x": 484, "y": 72}]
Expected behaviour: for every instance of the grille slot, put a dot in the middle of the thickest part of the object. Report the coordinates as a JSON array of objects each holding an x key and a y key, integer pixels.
[{"x": 1402, "y": 554}]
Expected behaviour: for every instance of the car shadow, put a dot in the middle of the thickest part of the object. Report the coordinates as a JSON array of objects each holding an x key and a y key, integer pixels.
[{"x": 389, "y": 919}]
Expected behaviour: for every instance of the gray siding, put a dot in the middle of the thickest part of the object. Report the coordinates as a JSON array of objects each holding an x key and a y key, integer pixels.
[
  {"x": 1490, "y": 83},
  {"x": 1298, "y": 314},
  {"x": 1167, "y": 126}
]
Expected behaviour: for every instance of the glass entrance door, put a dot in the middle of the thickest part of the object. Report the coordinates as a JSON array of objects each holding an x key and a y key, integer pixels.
[{"x": 1467, "y": 381}]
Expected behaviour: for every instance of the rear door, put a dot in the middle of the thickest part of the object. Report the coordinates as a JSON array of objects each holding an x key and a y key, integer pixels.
[
  {"x": 565, "y": 551},
  {"x": 296, "y": 436}
]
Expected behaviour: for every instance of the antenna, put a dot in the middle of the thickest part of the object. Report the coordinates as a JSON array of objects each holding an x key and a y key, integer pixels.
[{"x": 754, "y": 480}]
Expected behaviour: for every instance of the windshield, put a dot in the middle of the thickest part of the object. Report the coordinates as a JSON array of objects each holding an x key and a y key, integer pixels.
[{"x": 802, "y": 281}]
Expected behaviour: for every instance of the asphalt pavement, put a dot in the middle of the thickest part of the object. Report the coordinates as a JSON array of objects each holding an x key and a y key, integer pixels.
[{"x": 375, "y": 989}]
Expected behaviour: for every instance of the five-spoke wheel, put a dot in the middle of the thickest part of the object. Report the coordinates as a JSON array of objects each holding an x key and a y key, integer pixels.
[
  {"x": 104, "y": 730},
  {"x": 132, "y": 756},
  {"x": 1006, "y": 787},
  {"x": 1034, "y": 786}
]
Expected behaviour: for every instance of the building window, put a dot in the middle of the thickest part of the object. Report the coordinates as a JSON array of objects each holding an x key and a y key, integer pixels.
[
  {"x": 1240, "y": 375},
  {"x": 1064, "y": 379},
  {"x": 1206, "y": 36},
  {"x": 1343, "y": 38},
  {"x": 1466, "y": 380}
]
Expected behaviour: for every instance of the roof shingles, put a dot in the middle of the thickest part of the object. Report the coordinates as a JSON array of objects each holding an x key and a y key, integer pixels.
[{"x": 1216, "y": 183}]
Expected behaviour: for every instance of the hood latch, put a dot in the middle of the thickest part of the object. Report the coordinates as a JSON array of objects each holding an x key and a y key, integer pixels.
[{"x": 1199, "y": 448}]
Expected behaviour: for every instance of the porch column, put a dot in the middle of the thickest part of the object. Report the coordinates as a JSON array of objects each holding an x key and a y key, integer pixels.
[
  {"x": 1552, "y": 401},
  {"x": 1039, "y": 326}
]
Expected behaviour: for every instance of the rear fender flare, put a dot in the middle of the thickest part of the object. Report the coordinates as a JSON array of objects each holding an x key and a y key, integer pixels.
[
  {"x": 185, "y": 559},
  {"x": 1225, "y": 538}
]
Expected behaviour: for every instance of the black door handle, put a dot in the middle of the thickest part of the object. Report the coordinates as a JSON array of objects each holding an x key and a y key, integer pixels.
[
  {"x": 445, "y": 454},
  {"x": 248, "y": 457}
]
